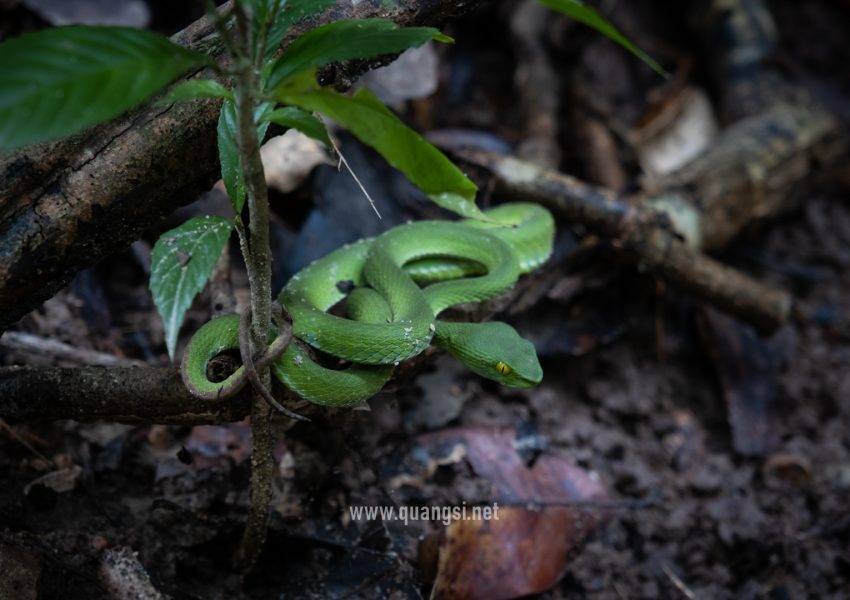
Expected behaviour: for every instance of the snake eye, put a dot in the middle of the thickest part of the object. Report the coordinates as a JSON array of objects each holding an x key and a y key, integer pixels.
[{"x": 503, "y": 369}]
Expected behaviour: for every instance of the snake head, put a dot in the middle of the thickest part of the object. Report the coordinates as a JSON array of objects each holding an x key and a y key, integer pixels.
[{"x": 493, "y": 350}]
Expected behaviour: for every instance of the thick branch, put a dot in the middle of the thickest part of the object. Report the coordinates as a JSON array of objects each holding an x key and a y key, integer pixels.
[
  {"x": 65, "y": 206},
  {"x": 121, "y": 394},
  {"x": 754, "y": 171},
  {"x": 644, "y": 237},
  {"x": 133, "y": 395}
]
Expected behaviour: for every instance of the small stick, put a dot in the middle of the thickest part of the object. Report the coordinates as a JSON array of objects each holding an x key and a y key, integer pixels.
[
  {"x": 14, "y": 435},
  {"x": 33, "y": 344},
  {"x": 680, "y": 585},
  {"x": 641, "y": 235},
  {"x": 278, "y": 346},
  {"x": 597, "y": 504},
  {"x": 344, "y": 163}
]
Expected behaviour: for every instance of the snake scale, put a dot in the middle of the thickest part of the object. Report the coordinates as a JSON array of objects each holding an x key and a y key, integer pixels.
[{"x": 392, "y": 318}]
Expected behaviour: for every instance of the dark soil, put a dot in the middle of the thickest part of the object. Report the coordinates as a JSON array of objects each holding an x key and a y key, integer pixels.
[{"x": 726, "y": 457}]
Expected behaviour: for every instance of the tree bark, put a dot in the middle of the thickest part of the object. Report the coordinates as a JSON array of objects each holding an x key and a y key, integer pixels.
[
  {"x": 119, "y": 394},
  {"x": 138, "y": 395},
  {"x": 66, "y": 205}
]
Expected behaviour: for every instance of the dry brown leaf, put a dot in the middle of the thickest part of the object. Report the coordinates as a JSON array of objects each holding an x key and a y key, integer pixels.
[
  {"x": 543, "y": 512},
  {"x": 523, "y": 552}
]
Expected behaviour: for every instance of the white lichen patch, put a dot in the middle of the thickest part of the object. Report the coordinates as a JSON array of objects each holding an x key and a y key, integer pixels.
[{"x": 521, "y": 172}]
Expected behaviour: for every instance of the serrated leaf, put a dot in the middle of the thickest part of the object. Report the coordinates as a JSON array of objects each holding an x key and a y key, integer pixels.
[
  {"x": 301, "y": 120},
  {"x": 347, "y": 40},
  {"x": 584, "y": 14},
  {"x": 181, "y": 264},
  {"x": 195, "y": 89},
  {"x": 376, "y": 125},
  {"x": 57, "y": 82},
  {"x": 293, "y": 12},
  {"x": 228, "y": 150}
]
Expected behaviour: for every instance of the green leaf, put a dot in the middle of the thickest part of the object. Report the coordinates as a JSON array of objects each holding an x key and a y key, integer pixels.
[
  {"x": 375, "y": 125},
  {"x": 57, "y": 82},
  {"x": 293, "y": 12},
  {"x": 228, "y": 150},
  {"x": 261, "y": 14},
  {"x": 195, "y": 89},
  {"x": 228, "y": 155},
  {"x": 181, "y": 264},
  {"x": 260, "y": 9},
  {"x": 302, "y": 121},
  {"x": 305, "y": 81},
  {"x": 347, "y": 40},
  {"x": 584, "y": 14}
]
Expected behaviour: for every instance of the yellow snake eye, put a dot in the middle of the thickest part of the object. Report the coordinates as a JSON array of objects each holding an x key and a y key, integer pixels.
[{"x": 502, "y": 368}]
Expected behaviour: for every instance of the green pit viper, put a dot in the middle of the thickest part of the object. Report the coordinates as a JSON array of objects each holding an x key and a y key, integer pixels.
[{"x": 391, "y": 317}]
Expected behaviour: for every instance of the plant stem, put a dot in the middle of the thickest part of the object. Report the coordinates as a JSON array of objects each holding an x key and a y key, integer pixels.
[
  {"x": 263, "y": 35},
  {"x": 258, "y": 265}
]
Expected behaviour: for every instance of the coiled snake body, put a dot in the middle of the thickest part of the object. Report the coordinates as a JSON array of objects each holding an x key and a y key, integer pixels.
[{"x": 391, "y": 318}]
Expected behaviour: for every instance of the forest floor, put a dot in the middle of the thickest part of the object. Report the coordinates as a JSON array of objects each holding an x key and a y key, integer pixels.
[{"x": 719, "y": 462}]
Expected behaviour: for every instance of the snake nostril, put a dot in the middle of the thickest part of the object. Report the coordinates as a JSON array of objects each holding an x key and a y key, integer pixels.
[{"x": 345, "y": 286}]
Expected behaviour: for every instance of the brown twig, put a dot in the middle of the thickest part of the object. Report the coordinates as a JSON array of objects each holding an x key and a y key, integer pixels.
[
  {"x": 26, "y": 342},
  {"x": 643, "y": 235},
  {"x": 14, "y": 435},
  {"x": 680, "y": 585},
  {"x": 283, "y": 340}
]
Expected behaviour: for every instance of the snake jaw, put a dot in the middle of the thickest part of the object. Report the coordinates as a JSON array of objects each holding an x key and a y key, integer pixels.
[
  {"x": 493, "y": 350},
  {"x": 533, "y": 375}
]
